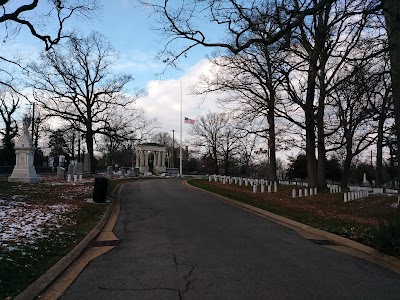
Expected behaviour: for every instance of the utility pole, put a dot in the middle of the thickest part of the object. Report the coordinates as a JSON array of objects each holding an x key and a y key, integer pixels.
[
  {"x": 33, "y": 120},
  {"x": 180, "y": 147},
  {"x": 173, "y": 148}
]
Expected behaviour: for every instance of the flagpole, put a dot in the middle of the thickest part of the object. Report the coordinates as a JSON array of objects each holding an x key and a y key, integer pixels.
[{"x": 180, "y": 151}]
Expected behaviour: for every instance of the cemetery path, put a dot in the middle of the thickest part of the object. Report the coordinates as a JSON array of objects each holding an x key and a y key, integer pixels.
[{"x": 180, "y": 243}]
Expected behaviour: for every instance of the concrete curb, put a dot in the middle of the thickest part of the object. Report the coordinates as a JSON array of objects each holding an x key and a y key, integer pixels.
[
  {"x": 378, "y": 256},
  {"x": 33, "y": 290}
]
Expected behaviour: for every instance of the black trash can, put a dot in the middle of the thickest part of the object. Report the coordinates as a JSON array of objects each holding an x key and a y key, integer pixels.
[{"x": 100, "y": 189}]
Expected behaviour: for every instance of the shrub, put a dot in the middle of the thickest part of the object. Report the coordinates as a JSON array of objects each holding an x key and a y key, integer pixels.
[{"x": 387, "y": 236}]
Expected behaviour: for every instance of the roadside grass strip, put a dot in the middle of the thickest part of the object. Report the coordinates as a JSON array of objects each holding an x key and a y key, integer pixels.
[
  {"x": 357, "y": 220},
  {"x": 39, "y": 224}
]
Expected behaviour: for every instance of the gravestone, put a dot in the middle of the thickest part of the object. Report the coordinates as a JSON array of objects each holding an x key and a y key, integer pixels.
[
  {"x": 74, "y": 170},
  {"x": 109, "y": 171},
  {"x": 70, "y": 172},
  {"x": 70, "y": 169},
  {"x": 24, "y": 171},
  {"x": 60, "y": 173},
  {"x": 86, "y": 164},
  {"x": 61, "y": 161},
  {"x": 79, "y": 168},
  {"x": 51, "y": 162}
]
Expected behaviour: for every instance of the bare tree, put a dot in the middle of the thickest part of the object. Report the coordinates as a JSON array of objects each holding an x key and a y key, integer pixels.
[
  {"x": 207, "y": 133},
  {"x": 246, "y": 149},
  {"x": 391, "y": 10},
  {"x": 249, "y": 81},
  {"x": 77, "y": 85},
  {"x": 381, "y": 105},
  {"x": 35, "y": 16},
  {"x": 240, "y": 19},
  {"x": 9, "y": 103},
  {"x": 320, "y": 50},
  {"x": 357, "y": 131}
]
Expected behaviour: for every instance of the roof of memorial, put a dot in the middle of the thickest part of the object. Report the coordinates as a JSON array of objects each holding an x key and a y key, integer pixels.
[{"x": 151, "y": 144}]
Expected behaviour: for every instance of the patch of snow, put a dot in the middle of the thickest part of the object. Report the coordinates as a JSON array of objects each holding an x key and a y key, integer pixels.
[{"x": 22, "y": 223}]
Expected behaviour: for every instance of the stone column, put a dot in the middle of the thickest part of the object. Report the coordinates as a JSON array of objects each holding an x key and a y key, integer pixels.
[
  {"x": 162, "y": 159},
  {"x": 146, "y": 159},
  {"x": 155, "y": 159},
  {"x": 137, "y": 165}
]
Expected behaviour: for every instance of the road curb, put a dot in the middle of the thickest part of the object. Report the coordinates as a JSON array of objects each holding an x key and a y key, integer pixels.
[
  {"x": 387, "y": 260},
  {"x": 37, "y": 287}
]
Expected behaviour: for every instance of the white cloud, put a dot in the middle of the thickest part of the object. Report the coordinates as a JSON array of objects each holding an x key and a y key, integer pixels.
[{"x": 163, "y": 100}]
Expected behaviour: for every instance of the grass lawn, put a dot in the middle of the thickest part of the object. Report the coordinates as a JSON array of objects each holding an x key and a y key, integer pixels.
[
  {"x": 39, "y": 224},
  {"x": 356, "y": 220}
]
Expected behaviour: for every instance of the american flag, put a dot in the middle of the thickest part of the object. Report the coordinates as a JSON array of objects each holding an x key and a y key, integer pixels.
[{"x": 189, "y": 121}]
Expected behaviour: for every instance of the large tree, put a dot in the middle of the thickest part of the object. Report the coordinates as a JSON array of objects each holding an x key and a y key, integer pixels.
[
  {"x": 30, "y": 16},
  {"x": 76, "y": 83},
  {"x": 391, "y": 9},
  {"x": 9, "y": 103},
  {"x": 249, "y": 81},
  {"x": 316, "y": 25},
  {"x": 208, "y": 134},
  {"x": 238, "y": 18},
  {"x": 358, "y": 130}
]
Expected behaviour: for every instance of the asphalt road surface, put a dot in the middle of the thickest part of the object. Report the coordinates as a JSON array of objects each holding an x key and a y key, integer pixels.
[{"x": 179, "y": 243}]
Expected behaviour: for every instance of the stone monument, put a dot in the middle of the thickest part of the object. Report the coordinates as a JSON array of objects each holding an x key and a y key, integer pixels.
[
  {"x": 24, "y": 171},
  {"x": 365, "y": 181},
  {"x": 86, "y": 164}
]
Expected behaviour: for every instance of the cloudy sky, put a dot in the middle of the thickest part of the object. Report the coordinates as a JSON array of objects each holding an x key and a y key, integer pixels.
[{"x": 130, "y": 29}]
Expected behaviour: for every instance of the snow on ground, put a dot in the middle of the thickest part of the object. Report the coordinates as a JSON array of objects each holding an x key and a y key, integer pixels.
[{"x": 22, "y": 223}]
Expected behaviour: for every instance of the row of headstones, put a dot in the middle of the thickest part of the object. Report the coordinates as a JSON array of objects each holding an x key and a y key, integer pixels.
[
  {"x": 298, "y": 183},
  {"x": 246, "y": 182},
  {"x": 333, "y": 189},
  {"x": 355, "y": 195},
  {"x": 74, "y": 173},
  {"x": 307, "y": 192},
  {"x": 338, "y": 189},
  {"x": 373, "y": 190},
  {"x": 365, "y": 188},
  {"x": 122, "y": 172}
]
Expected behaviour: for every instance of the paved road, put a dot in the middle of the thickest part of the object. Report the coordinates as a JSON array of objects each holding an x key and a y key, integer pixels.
[{"x": 178, "y": 243}]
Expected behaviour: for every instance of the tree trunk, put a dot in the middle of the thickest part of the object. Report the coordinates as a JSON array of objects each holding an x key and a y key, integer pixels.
[
  {"x": 90, "y": 150},
  {"x": 346, "y": 173},
  {"x": 321, "y": 147},
  {"x": 321, "y": 129},
  {"x": 379, "y": 145},
  {"x": 215, "y": 159},
  {"x": 347, "y": 162},
  {"x": 310, "y": 125},
  {"x": 227, "y": 164},
  {"x": 391, "y": 9},
  {"x": 271, "y": 144}
]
